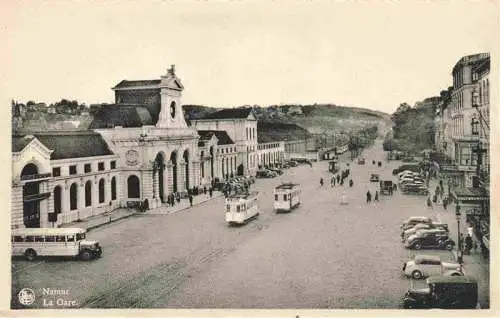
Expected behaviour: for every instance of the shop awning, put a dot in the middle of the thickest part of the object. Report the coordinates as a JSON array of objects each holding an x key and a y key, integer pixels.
[{"x": 470, "y": 194}]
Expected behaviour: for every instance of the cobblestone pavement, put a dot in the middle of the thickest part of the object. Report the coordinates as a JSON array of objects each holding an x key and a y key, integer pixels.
[{"x": 322, "y": 255}]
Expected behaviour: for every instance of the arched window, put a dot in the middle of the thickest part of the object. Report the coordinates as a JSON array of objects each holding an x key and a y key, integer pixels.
[
  {"x": 101, "y": 191},
  {"x": 88, "y": 193},
  {"x": 57, "y": 200},
  {"x": 73, "y": 197},
  {"x": 113, "y": 188},
  {"x": 133, "y": 187}
]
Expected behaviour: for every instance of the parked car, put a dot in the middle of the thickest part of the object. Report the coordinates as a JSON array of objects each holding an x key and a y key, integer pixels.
[
  {"x": 430, "y": 265},
  {"x": 438, "y": 232},
  {"x": 421, "y": 240},
  {"x": 265, "y": 174},
  {"x": 411, "y": 167},
  {"x": 278, "y": 171},
  {"x": 293, "y": 163},
  {"x": 407, "y": 173},
  {"x": 361, "y": 161},
  {"x": 446, "y": 292},
  {"x": 412, "y": 221},
  {"x": 419, "y": 189},
  {"x": 423, "y": 226},
  {"x": 374, "y": 177}
]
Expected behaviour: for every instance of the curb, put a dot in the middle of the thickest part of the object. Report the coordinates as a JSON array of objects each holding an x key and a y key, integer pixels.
[{"x": 90, "y": 228}]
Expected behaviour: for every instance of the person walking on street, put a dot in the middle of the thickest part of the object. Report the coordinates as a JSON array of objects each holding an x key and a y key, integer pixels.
[
  {"x": 429, "y": 202},
  {"x": 445, "y": 202},
  {"x": 368, "y": 197},
  {"x": 321, "y": 181},
  {"x": 190, "y": 199},
  {"x": 338, "y": 179},
  {"x": 332, "y": 182},
  {"x": 468, "y": 244},
  {"x": 376, "y": 196},
  {"x": 351, "y": 183},
  {"x": 211, "y": 191}
]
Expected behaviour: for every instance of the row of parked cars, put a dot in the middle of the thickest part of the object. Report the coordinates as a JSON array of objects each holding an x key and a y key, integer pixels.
[
  {"x": 447, "y": 287},
  {"x": 411, "y": 182}
]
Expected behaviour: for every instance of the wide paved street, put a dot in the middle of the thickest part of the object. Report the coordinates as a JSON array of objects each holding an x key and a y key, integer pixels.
[{"x": 322, "y": 255}]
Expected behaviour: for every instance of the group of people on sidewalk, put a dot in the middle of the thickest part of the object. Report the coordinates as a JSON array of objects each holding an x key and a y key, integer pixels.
[{"x": 338, "y": 179}]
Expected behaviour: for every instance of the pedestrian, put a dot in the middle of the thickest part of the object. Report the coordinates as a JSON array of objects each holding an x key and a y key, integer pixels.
[
  {"x": 191, "y": 200},
  {"x": 321, "y": 181},
  {"x": 434, "y": 198},
  {"x": 351, "y": 183},
  {"x": 468, "y": 244},
  {"x": 395, "y": 187},
  {"x": 210, "y": 191},
  {"x": 368, "y": 197},
  {"x": 178, "y": 197},
  {"x": 338, "y": 179},
  {"x": 429, "y": 202},
  {"x": 445, "y": 202},
  {"x": 204, "y": 190},
  {"x": 376, "y": 196}
]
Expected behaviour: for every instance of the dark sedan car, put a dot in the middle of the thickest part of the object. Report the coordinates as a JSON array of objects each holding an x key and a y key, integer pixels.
[{"x": 429, "y": 240}]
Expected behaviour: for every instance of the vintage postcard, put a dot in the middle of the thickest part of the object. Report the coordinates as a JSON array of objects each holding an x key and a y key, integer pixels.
[{"x": 299, "y": 156}]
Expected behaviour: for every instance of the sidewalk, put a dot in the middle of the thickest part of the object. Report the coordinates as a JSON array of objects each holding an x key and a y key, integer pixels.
[
  {"x": 122, "y": 213},
  {"x": 475, "y": 264}
]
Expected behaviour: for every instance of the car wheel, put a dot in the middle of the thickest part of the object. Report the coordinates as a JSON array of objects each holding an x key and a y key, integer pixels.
[
  {"x": 417, "y": 246},
  {"x": 86, "y": 255},
  {"x": 456, "y": 274},
  {"x": 30, "y": 254},
  {"x": 449, "y": 246},
  {"x": 417, "y": 274}
]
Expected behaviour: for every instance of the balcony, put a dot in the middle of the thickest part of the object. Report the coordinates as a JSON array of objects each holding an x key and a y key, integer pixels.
[
  {"x": 35, "y": 177},
  {"x": 36, "y": 197}
]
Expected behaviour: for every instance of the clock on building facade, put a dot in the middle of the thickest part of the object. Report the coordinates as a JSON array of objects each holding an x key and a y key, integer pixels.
[{"x": 132, "y": 157}]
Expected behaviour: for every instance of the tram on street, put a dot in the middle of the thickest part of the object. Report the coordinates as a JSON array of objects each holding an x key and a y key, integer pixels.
[
  {"x": 286, "y": 197},
  {"x": 35, "y": 242},
  {"x": 240, "y": 208}
]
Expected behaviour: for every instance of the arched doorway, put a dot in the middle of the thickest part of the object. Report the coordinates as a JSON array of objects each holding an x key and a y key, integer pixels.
[
  {"x": 88, "y": 193},
  {"x": 173, "y": 159},
  {"x": 31, "y": 207},
  {"x": 159, "y": 167},
  {"x": 240, "y": 170},
  {"x": 185, "y": 156},
  {"x": 212, "y": 162},
  {"x": 57, "y": 200},
  {"x": 133, "y": 187},
  {"x": 73, "y": 197}
]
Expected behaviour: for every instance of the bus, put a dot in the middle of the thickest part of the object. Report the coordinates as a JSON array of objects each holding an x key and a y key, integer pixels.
[
  {"x": 286, "y": 197},
  {"x": 241, "y": 207},
  {"x": 34, "y": 242}
]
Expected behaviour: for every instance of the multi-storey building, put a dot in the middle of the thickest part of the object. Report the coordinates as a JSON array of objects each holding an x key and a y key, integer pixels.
[
  {"x": 270, "y": 153},
  {"x": 463, "y": 136},
  {"x": 241, "y": 125},
  {"x": 62, "y": 177}
]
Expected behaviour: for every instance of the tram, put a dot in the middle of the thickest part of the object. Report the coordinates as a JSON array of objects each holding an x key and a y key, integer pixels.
[
  {"x": 286, "y": 197},
  {"x": 241, "y": 207}
]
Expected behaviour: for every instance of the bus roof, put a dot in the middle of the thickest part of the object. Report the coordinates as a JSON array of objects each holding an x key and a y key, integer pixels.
[
  {"x": 48, "y": 231},
  {"x": 286, "y": 186}
]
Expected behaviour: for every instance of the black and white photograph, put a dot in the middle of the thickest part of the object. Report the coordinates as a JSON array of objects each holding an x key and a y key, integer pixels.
[{"x": 256, "y": 155}]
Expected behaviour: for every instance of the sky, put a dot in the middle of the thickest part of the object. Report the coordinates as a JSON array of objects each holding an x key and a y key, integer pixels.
[{"x": 371, "y": 54}]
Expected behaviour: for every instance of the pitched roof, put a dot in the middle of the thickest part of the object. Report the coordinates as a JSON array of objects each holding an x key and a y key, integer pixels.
[
  {"x": 127, "y": 84},
  {"x": 19, "y": 142},
  {"x": 67, "y": 144},
  {"x": 276, "y": 131},
  {"x": 229, "y": 113},
  {"x": 222, "y": 136},
  {"x": 110, "y": 116}
]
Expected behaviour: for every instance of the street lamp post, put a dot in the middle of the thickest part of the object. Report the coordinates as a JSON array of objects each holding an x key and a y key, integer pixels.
[{"x": 459, "y": 240}]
